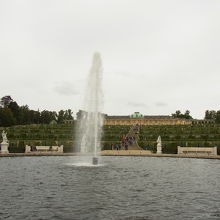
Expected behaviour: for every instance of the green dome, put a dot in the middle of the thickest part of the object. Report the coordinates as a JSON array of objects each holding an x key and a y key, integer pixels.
[{"x": 136, "y": 115}]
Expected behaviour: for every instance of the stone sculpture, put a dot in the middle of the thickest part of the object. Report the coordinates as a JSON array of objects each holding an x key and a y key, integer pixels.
[
  {"x": 4, "y": 137},
  {"x": 159, "y": 145},
  {"x": 4, "y": 144}
]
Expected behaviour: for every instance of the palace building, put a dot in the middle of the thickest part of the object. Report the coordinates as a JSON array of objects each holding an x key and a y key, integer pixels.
[{"x": 138, "y": 118}]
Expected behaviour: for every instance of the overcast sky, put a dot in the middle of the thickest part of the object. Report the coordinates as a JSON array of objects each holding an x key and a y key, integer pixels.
[{"x": 158, "y": 56}]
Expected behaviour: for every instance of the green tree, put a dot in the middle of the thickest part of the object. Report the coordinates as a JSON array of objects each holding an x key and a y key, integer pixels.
[
  {"x": 6, "y": 100},
  {"x": 6, "y": 117},
  {"x": 80, "y": 114},
  {"x": 61, "y": 117},
  {"x": 47, "y": 116},
  {"x": 210, "y": 115},
  {"x": 178, "y": 114},
  {"x": 217, "y": 119},
  {"x": 187, "y": 115},
  {"x": 15, "y": 109},
  {"x": 24, "y": 117},
  {"x": 68, "y": 114},
  {"x": 36, "y": 117}
]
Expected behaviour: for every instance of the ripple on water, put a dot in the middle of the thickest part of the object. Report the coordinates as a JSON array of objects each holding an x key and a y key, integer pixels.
[
  {"x": 84, "y": 165},
  {"x": 117, "y": 188}
]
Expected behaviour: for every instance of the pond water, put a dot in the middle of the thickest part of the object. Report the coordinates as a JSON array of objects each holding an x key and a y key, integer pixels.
[{"x": 121, "y": 188}]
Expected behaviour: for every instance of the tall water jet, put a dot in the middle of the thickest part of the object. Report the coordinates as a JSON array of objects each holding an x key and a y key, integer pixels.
[{"x": 91, "y": 119}]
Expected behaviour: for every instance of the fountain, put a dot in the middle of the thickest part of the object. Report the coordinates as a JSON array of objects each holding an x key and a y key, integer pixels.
[{"x": 91, "y": 120}]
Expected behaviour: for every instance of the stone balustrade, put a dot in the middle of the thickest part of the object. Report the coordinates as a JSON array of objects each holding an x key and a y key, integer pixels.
[
  {"x": 30, "y": 149},
  {"x": 197, "y": 150}
]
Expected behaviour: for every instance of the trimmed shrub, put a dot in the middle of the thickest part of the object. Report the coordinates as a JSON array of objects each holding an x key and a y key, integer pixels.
[{"x": 14, "y": 148}]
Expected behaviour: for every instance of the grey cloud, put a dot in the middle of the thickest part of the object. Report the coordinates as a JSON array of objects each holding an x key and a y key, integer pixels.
[
  {"x": 147, "y": 47},
  {"x": 66, "y": 89},
  {"x": 161, "y": 104},
  {"x": 136, "y": 104}
]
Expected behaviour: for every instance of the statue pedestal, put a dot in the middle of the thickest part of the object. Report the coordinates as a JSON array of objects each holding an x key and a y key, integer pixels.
[
  {"x": 159, "y": 150},
  {"x": 4, "y": 148}
]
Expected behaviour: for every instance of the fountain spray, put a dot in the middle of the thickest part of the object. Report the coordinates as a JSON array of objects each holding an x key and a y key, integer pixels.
[{"x": 91, "y": 119}]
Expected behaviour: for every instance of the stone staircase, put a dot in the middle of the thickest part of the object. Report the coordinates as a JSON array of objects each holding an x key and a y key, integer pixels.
[{"x": 134, "y": 132}]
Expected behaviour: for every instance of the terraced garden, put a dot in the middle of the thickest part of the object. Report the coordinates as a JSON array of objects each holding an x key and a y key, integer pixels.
[
  {"x": 172, "y": 136},
  {"x": 58, "y": 134},
  {"x": 181, "y": 135}
]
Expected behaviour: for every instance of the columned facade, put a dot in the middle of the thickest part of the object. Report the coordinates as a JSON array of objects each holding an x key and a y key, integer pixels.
[
  {"x": 146, "y": 121},
  {"x": 138, "y": 118}
]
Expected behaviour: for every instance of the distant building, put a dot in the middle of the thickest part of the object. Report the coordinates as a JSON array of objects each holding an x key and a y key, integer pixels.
[
  {"x": 138, "y": 118},
  {"x": 203, "y": 122}
]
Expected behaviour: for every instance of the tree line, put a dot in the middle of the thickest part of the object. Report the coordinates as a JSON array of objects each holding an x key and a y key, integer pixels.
[
  {"x": 212, "y": 115},
  {"x": 13, "y": 114},
  {"x": 209, "y": 115},
  {"x": 178, "y": 114}
]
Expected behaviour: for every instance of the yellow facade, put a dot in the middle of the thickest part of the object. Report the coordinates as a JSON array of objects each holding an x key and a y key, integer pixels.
[{"x": 143, "y": 121}]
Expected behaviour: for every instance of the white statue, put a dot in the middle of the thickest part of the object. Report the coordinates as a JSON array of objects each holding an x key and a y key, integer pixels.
[
  {"x": 159, "y": 145},
  {"x": 4, "y": 144},
  {"x": 4, "y": 137}
]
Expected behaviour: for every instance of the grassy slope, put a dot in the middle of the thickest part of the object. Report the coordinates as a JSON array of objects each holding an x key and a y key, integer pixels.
[{"x": 172, "y": 136}]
